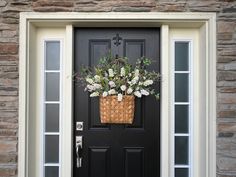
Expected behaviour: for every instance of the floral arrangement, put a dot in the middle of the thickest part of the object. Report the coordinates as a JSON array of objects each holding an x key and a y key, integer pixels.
[{"x": 115, "y": 76}]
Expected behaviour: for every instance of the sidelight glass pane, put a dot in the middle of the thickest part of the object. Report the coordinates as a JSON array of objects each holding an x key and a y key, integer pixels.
[
  {"x": 52, "y": 108},
  {"x": 52, "y": 86},
  {"x": 51, "y": 149},
  {"x": 181, "y": 87},
  {"x": 51, "y": 171},
  {"x": 181, "y": 56},
  {"x": 181, "y": 150},
  {"x": 181, "y": 172},
  {"x": 52, "y": 118},
  {"x": 181, "y": 118},
  {"x": 182, "y": 105},
  {"x": 52, "y": 55}
]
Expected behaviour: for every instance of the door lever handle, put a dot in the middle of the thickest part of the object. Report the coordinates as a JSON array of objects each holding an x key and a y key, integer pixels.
[{"x": 79, "y": 149}]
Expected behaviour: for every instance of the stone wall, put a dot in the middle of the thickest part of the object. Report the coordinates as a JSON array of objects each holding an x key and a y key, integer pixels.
[{"x": 226, "y": 66}]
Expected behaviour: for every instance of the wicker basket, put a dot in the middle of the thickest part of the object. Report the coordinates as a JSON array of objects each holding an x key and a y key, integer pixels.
[{"x": 118, "y": 112}]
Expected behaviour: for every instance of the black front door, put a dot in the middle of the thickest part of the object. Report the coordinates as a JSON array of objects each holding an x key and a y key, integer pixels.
[{"x": 117, "y": 150}]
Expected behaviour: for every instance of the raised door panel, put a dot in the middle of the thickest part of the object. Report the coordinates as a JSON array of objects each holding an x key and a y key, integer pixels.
[
  {"x": 134, "y": 162},
  {"x": 99, "y": 161}
]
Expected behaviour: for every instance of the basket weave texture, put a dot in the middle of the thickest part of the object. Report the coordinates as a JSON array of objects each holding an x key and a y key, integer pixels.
[{"x": 114, "y": 111}]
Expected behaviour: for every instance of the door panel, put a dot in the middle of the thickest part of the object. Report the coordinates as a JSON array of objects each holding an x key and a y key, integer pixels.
[
  {"x": 134, "y": 162},
  {"x": 99, "y": 161},
  {"x": 111, "y": 150}
]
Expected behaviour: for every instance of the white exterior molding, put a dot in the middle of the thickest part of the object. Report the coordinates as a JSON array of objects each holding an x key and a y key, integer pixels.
[{"x": 205, "y": 23}]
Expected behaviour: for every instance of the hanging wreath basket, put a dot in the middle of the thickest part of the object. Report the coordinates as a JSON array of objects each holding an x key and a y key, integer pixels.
[
  {"x": 117, "y": 82},
  {"x": 117, "y": 112}
]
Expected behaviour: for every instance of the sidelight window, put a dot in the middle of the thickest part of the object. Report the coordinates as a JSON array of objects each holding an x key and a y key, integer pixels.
[
  {"x": 52, "y": 108},
  {"x": 182, "y": 115}
]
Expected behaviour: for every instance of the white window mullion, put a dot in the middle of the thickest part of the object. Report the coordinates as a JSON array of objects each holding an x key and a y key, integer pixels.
[
  {"x": 182, "y": 103},
  {"x": 51, "y": 164},
  {"x": 52, "y": 71},
  {"x": 182, "y": 166}
]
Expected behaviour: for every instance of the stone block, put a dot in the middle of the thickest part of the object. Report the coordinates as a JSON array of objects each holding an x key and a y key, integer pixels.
[
  {"x": 131, "y": 9},
  {"x": 229, "y": 10},
  {"x": 204, "y": 6},
  {"x": 8, "y": 146},
  {"x": 8, "y": 158},
  {"x": 228, "y": 98},
  {"x": 227, "y": 113},
  {"x": 8, "y": 60},
  {"x": 8, "y": 132},
  {"x": 230, "y": 66},
  {"x": 227, "y": 51},
  {"x": 9, "y": 33},
  {"x": 7, "y": 125},
  {"x": 226, "y": 76},
  {"x": 8, "y": 114},
  {"x": 46, "y": 3},
  {"x": 8, "y": 170},
  {"x": 226, "y": 163},
  {"x": 227, "y": 89},
  {"x": 3, "y": 3},
  {"x": 225, "y": 135},
  {"x": 52, "y": 9},
  {"x": 93, "y": 9},
  {"x": 225, "y": 59},
  {"x": 5, "y": 82},
  {"x": 221, "y": 107},
  {"x": 86, "y": 2},
  {"x": 226, "y": 27},
  {"x": 170, "y": 7},
  {"x": 8, "y": 48}
]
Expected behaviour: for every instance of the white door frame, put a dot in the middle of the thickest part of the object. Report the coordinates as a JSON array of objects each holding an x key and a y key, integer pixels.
[{"x": 205, "y": 22}]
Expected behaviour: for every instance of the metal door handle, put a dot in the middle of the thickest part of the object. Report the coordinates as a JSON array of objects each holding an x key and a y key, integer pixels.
[{"x": 79, "y": 149}]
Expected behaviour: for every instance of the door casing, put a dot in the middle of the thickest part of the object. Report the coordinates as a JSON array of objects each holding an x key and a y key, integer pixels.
[{"x": 204, "y": 22}]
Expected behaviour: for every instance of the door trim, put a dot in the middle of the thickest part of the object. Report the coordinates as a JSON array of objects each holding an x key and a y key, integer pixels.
[{"x": 205, "y": 22}]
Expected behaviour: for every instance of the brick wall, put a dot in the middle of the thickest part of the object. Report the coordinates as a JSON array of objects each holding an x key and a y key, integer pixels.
[{"x": 226, "y": 66}]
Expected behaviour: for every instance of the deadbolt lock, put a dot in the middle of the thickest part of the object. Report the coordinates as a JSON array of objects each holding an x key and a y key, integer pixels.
[{"x": 79, "y": 126}]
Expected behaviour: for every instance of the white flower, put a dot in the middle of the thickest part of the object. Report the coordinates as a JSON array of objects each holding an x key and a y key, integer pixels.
[
  {"x": 112, "y": 84},
  {"x": 120, "y": 96},
  {"x": 136, "y": 73},
  {"x": 97, "y": 78},
  {"x": 89, "y": 80},
  {"x": 106, "y": 75},
  {"x": 140, "y": 83},
  {"x": 94, "y": 94},
  {"x": 138, "y": 94},
  {"x": 148, "y": 82},
  {"x": 97, "y": 86},
  {"x": 144, "y": 92},
  {"x": 134, "y": 80},
  {"x": 90, "y": 88},
  {"x": 130, "y": 90},
  {"x": 123, "y": 87},
  {"x": 122, "y": 71},
  {"x": 104, "y": 94},
  {"x": 110, "y": 72},
  {"x": 112, "y": 92}
]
